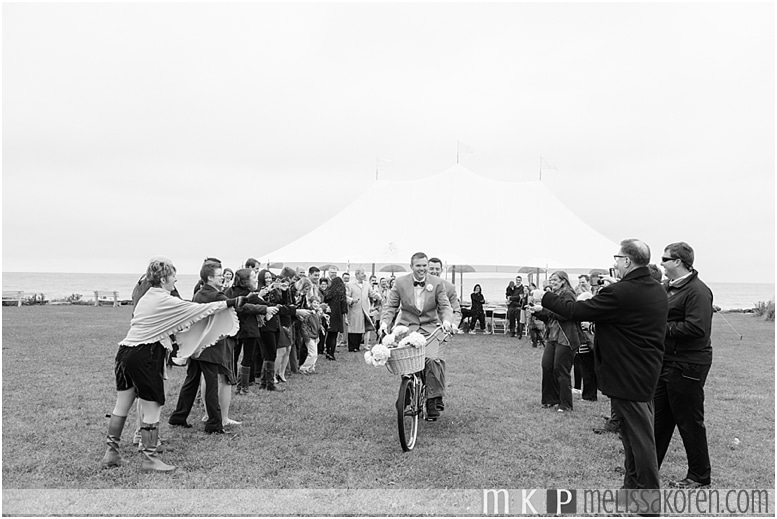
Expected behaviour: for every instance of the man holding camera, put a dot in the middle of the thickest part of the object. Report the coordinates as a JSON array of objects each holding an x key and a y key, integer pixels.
[{"x": 630, "y": 317}]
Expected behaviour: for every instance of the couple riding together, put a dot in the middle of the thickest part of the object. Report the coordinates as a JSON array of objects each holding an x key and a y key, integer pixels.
[{"x": 421, "y": 301}]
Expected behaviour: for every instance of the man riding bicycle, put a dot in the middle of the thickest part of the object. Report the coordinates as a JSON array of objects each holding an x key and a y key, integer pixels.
[{"x": 419, "y": 302}]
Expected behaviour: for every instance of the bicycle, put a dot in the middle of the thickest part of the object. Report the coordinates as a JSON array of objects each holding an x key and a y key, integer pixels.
[{"x": 412, "y": 389}]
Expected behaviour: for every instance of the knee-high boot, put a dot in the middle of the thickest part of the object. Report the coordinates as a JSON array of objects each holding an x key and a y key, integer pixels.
[
  {"x": 112, "y": 457},
  {"x": 268, "y": 376},
  {"x": 149, "y": 433},
  {"x": 242, "y": 384}
]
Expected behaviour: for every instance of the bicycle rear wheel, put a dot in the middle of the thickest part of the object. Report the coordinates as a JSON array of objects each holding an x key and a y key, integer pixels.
[{"x": 407, "y": 414}]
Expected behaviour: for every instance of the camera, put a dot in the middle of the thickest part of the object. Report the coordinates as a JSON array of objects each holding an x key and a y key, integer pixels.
[{"x": 612, "y": 273}]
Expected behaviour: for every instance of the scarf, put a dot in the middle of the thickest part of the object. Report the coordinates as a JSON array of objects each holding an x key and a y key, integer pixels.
[{"x": 196, "y": 326}]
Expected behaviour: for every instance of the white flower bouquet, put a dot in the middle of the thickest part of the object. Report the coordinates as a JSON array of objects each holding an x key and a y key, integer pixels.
[
  {"x": 377, "y": 356},
  {"x": 401, "y": 337}
]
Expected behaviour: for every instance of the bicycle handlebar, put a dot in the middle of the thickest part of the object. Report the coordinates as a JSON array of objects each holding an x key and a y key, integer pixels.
[{"x": 433, "y": 335}]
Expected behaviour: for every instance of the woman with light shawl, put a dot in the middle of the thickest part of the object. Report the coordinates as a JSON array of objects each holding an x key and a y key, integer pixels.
[{"x": 140, "y": 361}]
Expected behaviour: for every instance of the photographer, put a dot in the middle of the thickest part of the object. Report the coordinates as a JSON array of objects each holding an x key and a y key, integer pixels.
[{"x": 630, "y": 318}]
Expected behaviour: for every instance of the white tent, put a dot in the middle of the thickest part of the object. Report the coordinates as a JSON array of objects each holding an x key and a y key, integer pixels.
[{"x": 458, "y": 216}]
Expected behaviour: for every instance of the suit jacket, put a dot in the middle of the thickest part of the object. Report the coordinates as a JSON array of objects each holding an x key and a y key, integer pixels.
[
  {"x": 630, "y": 318},
  {"x": 401, "y": 300},
  {"x": 450, "y": 291},
  {"x": 359, "y": 310}
]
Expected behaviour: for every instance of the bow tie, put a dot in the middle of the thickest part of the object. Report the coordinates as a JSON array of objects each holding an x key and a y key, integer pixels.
[{"x": 419, "y": 283}]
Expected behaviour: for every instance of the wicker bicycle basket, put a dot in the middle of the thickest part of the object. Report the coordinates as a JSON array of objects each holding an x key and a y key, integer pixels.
[{"x": 406, "y": 360}]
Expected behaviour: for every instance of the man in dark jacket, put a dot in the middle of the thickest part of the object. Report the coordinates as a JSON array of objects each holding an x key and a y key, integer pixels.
[
  {"x": 212, "y": 362},
  {"x": 630, "y": 319},
  {"x": 516, "y": 297},
  {"x": 679, "y": 398}
]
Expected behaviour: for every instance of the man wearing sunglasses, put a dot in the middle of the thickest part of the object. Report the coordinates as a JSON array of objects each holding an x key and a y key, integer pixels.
[
  {"x": 679, "y": 399},
  {"x": 630, "y": 317}
]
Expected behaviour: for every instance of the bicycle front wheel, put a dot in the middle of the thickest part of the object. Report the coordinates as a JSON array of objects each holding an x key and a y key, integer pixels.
[{"x": 407, "y": 414}]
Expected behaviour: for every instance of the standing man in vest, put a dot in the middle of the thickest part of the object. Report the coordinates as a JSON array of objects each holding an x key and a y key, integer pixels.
[
  {"x": 679, "y": 398},
  {"x": 422, "y": 304}
]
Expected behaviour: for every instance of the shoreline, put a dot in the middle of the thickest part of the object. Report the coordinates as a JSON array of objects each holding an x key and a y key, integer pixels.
[{"x": 128, "y": 302}]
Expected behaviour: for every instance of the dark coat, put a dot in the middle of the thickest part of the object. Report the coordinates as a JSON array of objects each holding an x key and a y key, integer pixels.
[
  {"x": 570, "y": 328},
  {"x": 336, "y": 309},
  {"x": 248, "y": 314},
  {"x": 221, "y": 352},
  {"x": 630, "y": 318},
  {"x": 285, "y": 311},
  {"x": 478, "y": 300},
  {"x": 517, "y": 296},
  {"x": 689, "y": 323}
]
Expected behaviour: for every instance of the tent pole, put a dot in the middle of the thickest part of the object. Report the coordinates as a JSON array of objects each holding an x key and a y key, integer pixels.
[{"x": 540, "y": 168}]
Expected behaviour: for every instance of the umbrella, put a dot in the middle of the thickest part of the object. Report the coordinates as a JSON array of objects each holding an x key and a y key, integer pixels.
[
  {"x": 531, "y": 270},
  {"x": 461, "y": 269},
  {"x": 277, "y": 265},
  {"x": 393, "y": 268},
  {"x": 326, "y": 267}
]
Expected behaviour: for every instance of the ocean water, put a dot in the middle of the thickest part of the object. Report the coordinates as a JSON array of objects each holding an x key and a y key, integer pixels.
[{"x": 728, "y": 296}]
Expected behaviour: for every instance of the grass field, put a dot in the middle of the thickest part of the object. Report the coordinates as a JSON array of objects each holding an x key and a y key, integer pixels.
[{"x": 337, "y": 429}]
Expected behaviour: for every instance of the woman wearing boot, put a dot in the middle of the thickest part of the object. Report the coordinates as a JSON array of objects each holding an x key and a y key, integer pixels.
[
  {"x": 251, "y": 317},
  {"x": 140, "y": 361},
  {"x": 335, "y": 299},
  {"x": 270, "y": 332}
]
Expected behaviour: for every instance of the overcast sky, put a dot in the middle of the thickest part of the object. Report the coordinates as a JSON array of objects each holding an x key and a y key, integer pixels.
[{"x": 189, "y": 130}]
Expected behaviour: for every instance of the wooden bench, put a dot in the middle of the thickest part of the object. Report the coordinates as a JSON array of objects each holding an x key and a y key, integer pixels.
[
  {"x": 13, "y": 296},
  {"x": 106, "y": 297}
]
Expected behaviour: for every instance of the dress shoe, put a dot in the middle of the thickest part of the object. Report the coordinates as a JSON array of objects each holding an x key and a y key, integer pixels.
[
  {"x": 215, "y": 431},
  {"x": 440, "y": 404},
  {"x": 432, "y": 413},
  {"x": 688, "y": 483},
  {"x": 609, "y": 427},
  {"x": 185, "y": 425}
]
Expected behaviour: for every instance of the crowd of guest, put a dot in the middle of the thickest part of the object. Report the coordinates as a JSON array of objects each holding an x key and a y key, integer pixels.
[{"x": 284, "y": 323}]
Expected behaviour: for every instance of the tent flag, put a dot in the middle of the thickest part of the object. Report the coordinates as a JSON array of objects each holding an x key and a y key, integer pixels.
[{"x": 463, "y": 148}]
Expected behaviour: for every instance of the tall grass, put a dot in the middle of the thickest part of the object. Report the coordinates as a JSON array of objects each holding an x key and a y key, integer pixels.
[{"x": 765, "y": 309}]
